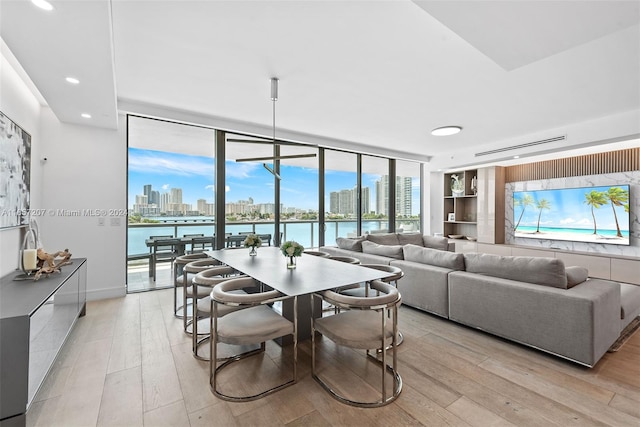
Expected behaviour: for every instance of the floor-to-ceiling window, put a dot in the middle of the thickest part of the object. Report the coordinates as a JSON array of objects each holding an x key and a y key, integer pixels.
[
  {"x": 299, "y": 215},
  {"x": 408, "y": 187},
  {"x": 275, "y": 192},
  {"x": 249, "y": 187},
  {"x": 170, "y": 194},
  {"x": 375, "y": 194},
  {"x": 340, "y": 195}
]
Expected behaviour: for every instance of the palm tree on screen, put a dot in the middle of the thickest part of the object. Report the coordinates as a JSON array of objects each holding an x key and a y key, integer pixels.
[
  {"x": 595, "y": 199},
  {"x": 542, "y": 204},
  {"x": 526, "y": 200},
  {"x": 618, "y": 197}
]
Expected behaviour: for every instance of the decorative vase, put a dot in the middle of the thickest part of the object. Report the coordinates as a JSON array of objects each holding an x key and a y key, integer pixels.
[
  {"x": 29, "y": 254},
  {"x": 253, "y": 251},
  {"x": 291, "y": 262},
  {"x": 457, "y": 193}
]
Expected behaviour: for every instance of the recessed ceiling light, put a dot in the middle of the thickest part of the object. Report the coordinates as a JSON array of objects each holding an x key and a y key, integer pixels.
[
  {"x": 43, "y": 4},
  {"x": 86, "y": 115},
  {"x": 72, "y": 80},
  {"x": 516, "y": 157},
  {"x": 446, "y": 130}
]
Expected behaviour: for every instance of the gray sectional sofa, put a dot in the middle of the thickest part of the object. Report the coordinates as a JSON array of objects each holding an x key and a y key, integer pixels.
[{"x": 531, "y": 300}]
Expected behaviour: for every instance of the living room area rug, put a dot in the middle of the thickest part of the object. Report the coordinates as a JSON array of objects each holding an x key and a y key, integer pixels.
[{"x": 625, "y": 335}]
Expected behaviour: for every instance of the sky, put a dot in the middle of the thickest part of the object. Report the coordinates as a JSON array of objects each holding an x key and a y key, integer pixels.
[
  {"x": 194, "y": 174},
  {"x": 569, "y": 210}
]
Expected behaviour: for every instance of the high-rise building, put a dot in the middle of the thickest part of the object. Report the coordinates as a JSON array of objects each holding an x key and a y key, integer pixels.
[
  {"x": 346, "y": 202},
  {"x": 382, "y": 195},
  {"x": 147, "y": 189},
  {"x": 176, "y": 195},
  {"x": 366, "y": 200},
  {"x": 155, "y": 197},
  {"x": 334, "y": 202},
  {"x": 403, "y": 196}
]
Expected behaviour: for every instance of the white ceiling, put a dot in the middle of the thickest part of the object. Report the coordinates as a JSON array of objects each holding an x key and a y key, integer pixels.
[{"x": 374, "y": 75}]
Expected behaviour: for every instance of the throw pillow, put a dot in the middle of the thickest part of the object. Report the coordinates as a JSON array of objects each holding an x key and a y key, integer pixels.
[
  {"x": 350, "y": 244},
  {"x": 434, "y": 242},
  {"x": 537, "y": 270},
  {"x": 384, "y": 238},
  {"x": 576, "y": 275},
  {"x": 436, "y": 257},
  {"x": 391, "y": 251},
  {"x": 410, "y": 239}
]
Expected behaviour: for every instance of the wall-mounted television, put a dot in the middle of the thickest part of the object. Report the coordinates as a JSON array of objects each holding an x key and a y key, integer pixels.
[{"x": 586, "y": 214}]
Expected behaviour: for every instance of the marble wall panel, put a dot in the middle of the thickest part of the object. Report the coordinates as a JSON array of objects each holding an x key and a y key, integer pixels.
[{"x": 631, "y": 178}]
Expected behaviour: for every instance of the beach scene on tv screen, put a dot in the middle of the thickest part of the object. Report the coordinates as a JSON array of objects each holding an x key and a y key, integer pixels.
[{"x": 586, "y": 214}]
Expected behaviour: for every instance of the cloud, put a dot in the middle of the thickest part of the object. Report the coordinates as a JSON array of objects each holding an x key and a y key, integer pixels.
[
  {"x": 166, "y": 187},
  {"x": 227, "y": 188},
  {"x": 168, "y": 164},
  {"x": 240, "y": 170}
]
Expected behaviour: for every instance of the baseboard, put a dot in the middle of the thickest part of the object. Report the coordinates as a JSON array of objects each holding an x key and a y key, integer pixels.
[{"x": 99, "y": 294}]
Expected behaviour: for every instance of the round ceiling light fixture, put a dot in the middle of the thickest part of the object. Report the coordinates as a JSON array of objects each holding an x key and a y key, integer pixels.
[
  {"x": 446, "y": 130},
  {"x": 43, "y": 4},
  {"x": 72, "y": 80},
  {"x": 86, "y": 115}
]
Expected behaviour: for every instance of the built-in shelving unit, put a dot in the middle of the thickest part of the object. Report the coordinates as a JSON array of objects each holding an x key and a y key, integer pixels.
[{"x": 460, "y": 209}]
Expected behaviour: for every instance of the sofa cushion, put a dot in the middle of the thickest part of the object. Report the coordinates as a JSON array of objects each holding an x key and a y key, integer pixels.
[
  {"x": 438, "y": 258},
  {"x": 391, "y": 251},
  {"x": 576, "y": 275},
  {"x": 434, "y": 242},
  {"x": 537, "y": 270},
  {"x": 410, "y": 239},
  {"x": 629, "y": 300},
  {"x": 384, "y": 238},
  {"x": 350, "y": 244}
]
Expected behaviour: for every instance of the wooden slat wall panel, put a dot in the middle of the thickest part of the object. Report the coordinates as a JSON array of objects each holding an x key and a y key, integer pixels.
[{"x": 590, "y": 164}]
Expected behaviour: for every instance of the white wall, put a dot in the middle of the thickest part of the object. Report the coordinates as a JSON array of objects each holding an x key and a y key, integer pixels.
[
  {"x": 84, "y": 182},
  {"x": 86, "y": 169},
  {"x": 20, "y": 105}
]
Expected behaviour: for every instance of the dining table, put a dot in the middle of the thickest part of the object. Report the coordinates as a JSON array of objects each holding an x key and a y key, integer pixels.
[{"x": 312, "y": 274}]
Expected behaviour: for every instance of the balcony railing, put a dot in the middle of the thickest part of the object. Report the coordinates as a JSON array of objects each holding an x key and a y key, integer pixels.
[{"x": 304, "y": 232}]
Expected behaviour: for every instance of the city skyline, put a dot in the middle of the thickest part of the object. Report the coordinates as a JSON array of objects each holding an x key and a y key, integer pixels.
[{"x": 195, "y": 176}]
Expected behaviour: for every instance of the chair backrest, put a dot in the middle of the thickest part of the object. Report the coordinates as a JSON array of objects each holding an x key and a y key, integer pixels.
[
  {"x": 396, "y": 271},
  {"x": 213, "y": 276},
  {"x": 165, "y": 245},
  {"x": 223, "y": 292},
  {"x": 201, "y": 242},
  {"x": 347, "y": 259},
  {"x": 317, "y": 253},
  {"x": 201, "y": 265},
  {"x": 387, "y": 297},
  {"x": 170, "y": 236}
]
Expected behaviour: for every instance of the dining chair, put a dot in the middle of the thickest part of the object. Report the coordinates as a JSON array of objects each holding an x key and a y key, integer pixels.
[
  {"x": 347, "y": 259},
  {"x": 164, "y": 250},
  {"x": 178, "y": 280},
  {"x": 255, "y": 324},
  {"x": 362, "y": 291},
  {"x": 192, "y": 236},
  {"x": 202, "y": 306},
  {"x": 190, "y": 292},
  {"x": 365, "y": 289},
  {"x": 364, "y": 323},
  {"x": 202, "y": 243},
  {"x": 320, "y": 254}
]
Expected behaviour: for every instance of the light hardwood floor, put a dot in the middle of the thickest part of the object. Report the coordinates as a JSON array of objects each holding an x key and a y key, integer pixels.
[{"x": 128, "y": 363}]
